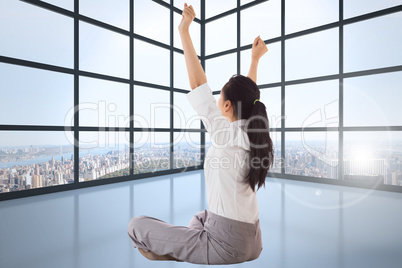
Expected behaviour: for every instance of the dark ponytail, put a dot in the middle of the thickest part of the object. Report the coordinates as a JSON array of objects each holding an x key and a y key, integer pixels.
[{"x": 242, "y": 92}]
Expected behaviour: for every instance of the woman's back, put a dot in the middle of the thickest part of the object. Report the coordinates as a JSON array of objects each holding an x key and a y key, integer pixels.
[{"x": 226, "y": 162}]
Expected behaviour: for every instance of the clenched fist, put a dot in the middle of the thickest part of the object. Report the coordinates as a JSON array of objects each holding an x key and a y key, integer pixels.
[
  {"x": 259, "y": 49},
  {"x": 188, "y": 16}
]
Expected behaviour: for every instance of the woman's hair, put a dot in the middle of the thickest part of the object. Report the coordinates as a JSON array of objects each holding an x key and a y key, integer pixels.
[{"x": 242, "y": 91}]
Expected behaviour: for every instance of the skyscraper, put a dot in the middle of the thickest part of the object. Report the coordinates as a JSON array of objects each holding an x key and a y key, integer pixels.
[
  {"x": 37, "y": 181},
  {"x": 36, "y": 169}
]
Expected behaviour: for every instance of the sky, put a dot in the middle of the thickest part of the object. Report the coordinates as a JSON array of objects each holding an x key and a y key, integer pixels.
[{"x": 36, "y": 97}]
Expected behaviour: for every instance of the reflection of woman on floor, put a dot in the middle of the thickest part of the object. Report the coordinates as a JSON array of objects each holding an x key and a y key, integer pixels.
[{"x": 237, "y": 162}]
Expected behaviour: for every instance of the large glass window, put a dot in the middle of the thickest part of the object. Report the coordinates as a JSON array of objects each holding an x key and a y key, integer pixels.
[{"x": 326, "y": 84}]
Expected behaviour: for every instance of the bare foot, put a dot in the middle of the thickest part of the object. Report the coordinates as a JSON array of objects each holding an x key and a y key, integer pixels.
[{"x": 155, "y": 257}]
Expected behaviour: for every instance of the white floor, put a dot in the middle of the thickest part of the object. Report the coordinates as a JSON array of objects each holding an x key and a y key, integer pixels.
[{"x": 303, "y": 224}]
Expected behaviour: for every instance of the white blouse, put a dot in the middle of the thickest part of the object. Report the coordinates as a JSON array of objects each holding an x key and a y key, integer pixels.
[{"x": 226, "y": 162}]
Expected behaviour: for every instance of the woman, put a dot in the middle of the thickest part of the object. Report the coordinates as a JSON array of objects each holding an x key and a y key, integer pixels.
[{"x": 237, "y": 162}]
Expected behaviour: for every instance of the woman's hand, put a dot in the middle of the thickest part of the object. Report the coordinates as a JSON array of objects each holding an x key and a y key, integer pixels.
[
  {"x": 188, "y": 16},
  {"x": 259, "y": 49}
]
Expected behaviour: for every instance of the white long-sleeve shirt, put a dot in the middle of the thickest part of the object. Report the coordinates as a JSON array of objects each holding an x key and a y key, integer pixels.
[{"x": 226, "y": 162}]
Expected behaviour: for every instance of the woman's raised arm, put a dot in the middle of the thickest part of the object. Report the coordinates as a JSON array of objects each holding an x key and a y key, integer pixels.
[
  {"x": 196, "y": 74},
  {"x": 258, "y": 50}
]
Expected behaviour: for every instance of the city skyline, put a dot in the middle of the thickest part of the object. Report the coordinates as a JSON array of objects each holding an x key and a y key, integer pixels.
[{"x": 383, "y": 168}]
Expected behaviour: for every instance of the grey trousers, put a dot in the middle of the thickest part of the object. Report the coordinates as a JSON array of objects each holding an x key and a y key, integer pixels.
[{"x": 208, "y": 239}]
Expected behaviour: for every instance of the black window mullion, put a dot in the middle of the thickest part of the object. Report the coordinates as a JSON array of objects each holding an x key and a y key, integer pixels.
[
  {"x": 171, "y": 133},
  {"x": 340, "y": 133},
  {"x": 131, "y": 156},
  {"x": 234, "y": 10},
  {"x": 76, "y": 92},
  {"x": 171, "y": 147},
  {"x": 282, "y": 163}
]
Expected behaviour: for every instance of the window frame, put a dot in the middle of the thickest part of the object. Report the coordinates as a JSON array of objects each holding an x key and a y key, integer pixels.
[{"x": 77, "y": 73}]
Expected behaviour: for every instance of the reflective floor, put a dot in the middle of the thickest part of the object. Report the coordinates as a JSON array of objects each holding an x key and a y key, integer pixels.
[{"x": 303, "y": 224}]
